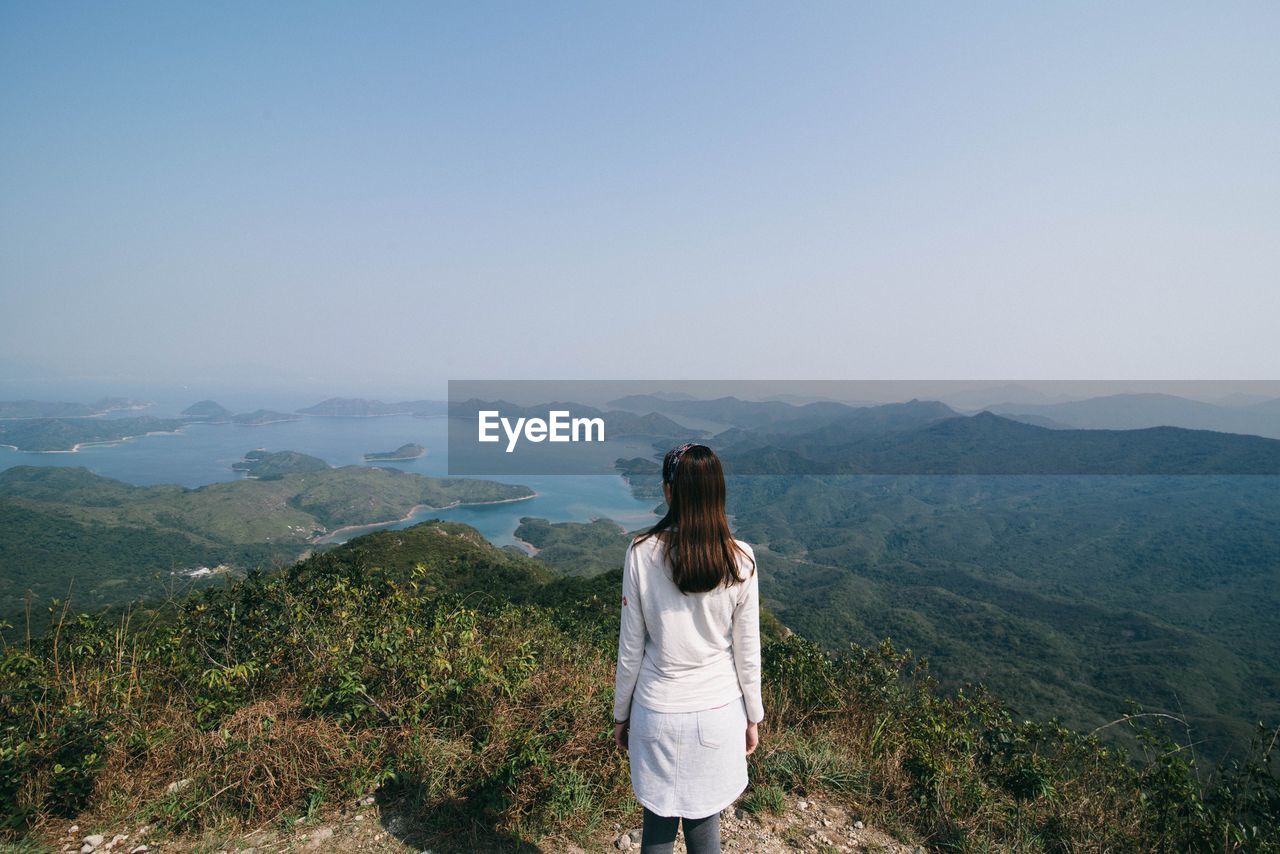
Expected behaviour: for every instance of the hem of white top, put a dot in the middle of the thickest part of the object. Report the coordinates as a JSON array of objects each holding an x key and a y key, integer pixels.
[{"x": 677, "y": 708}]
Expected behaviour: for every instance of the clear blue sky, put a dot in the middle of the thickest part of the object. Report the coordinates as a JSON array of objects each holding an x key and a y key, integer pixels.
[{"x": 415, "y": 192}]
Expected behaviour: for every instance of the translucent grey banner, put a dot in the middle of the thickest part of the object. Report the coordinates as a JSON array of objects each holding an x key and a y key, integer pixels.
[{"x": 873, "y": 427}]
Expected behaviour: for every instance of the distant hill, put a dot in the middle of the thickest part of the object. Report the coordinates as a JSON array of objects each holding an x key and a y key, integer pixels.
[
  {"x": 207, "y": 410},
  {"x": 985, "y": 397},
  {"x": 1136, "y": 411},
  {"x": 52, "y": 409},
  {"x": 346, "y": 407},
  {"x": 990, "y": 444},
  {"x": 264, "y": 416},
  {"x": 212, "y": 412},
  {"x": 734, "y": 411},
  {"x": 408, "y": 451}
]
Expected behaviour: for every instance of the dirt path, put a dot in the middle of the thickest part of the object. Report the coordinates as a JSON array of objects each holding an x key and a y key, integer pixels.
[{"x": 804, "y": 825}]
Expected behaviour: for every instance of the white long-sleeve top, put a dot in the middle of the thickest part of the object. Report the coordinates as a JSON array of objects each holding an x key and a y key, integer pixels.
[{"x": 685, "y": 652}]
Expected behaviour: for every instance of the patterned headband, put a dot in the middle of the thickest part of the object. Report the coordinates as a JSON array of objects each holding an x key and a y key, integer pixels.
[{"x": 674, "y": 456}]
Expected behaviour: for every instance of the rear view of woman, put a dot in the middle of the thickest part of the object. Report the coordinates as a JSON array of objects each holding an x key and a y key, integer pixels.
[{"x": 687, "y": 693}]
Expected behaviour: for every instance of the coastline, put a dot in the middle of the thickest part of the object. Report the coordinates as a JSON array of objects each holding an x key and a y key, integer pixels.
[
  {"x": 372, "y": 526},
  {"x": 121, "y": 440},
  {"x": 395, "y": 459},
  {"x": 527, "y": 546},
  {"x": 105, "y": 442}
]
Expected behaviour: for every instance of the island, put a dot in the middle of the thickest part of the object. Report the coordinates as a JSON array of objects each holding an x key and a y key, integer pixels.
[
  {"x": 266, "y": 465},
  {"x": 264, "y": 416},
  {"x": 212, "y": 412},
  {"x": 410, "y": 451},
  {"x": 207, "y": 410}
]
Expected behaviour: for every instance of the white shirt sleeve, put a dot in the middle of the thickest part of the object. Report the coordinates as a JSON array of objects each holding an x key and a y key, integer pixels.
[
  {"x": 631, "y": 636},
  {"x": 746, "y": 645}
]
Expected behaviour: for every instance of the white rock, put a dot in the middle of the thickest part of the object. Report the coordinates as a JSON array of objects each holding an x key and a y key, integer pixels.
[
  {"x": 179, "y": 785},
  {"x": 319, "y": 837},
  {"x": 804, "y": 805},
  {"x": 623, "y": 842},
  {"x": 142, "y": 849},
  {"x": 859, "y": 825},
  {"x": 368, "y": 801},
  {"x": 360, "y": 818},
  {"x": 75, "y": 828},
  {"x": 86, "y": 848},
  {"x": 636, "y": 834},
  {"x": 93, "y": 840}
]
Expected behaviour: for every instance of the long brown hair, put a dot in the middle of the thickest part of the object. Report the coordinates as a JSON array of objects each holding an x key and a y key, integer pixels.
[{"x": 699, "y": 545}]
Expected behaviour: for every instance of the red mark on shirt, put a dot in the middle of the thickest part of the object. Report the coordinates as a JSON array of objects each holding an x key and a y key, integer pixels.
[{"x": 624, "y": 601}]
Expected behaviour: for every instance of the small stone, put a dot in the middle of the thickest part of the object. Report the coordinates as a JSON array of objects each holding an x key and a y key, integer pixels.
[
  {"x": 804, "y": 805},
  {"x": 740, "y": 814},
  {"x": 623, "y": 842},
  {"x": 368, "y": 801},
  {"x": 86, "y": 848},
  {"x": 145, "y": 829},
  {"x": 142, "y": 849},
  {"x": 93, "y": 840},
  {"x": 75, "y": 828},
  {"x": 636, "y": 834},
  {"x": 360, "y": 818},
  {"x": 179, "y": 785},
  {"x": 859, "y": 825}
]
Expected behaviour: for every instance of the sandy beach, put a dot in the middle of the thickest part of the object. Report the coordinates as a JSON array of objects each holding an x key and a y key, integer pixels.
[{"x": 105, "y": 442}]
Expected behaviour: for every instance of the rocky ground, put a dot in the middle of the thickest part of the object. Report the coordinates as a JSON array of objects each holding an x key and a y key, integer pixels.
[{"x": 804, "y": 825}]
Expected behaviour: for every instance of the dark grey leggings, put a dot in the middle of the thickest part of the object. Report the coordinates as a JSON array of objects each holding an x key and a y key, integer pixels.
[{"x": 701, "y": 835}]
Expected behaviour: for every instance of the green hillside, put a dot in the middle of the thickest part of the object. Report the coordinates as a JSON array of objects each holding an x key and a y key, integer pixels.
[
  {"x": 474, "y": 684},
  {"x": 1065, "y": 595},
  {"x": 126, "y": 534}
]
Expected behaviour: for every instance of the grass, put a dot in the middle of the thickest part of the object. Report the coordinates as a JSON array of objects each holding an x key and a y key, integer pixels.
[{"x": 487, "y": 717}]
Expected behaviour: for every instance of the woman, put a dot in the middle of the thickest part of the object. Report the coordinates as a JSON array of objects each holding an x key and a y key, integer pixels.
[{"x": 687, "y": 696}]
